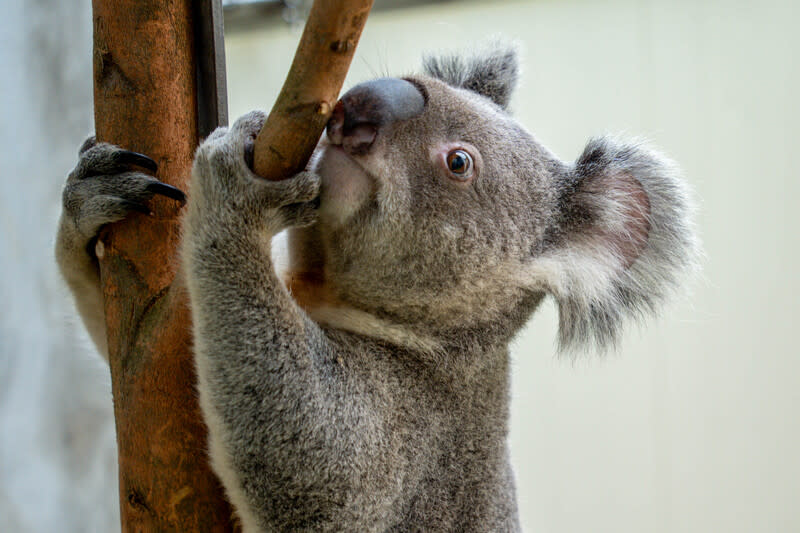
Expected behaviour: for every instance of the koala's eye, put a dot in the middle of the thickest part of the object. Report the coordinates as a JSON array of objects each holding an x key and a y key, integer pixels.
[
  {"x": 456, "y": 161},
  {"x": 459, "y": 163}
]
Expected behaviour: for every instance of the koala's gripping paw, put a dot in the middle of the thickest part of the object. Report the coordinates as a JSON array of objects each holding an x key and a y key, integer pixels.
[
  {"x": 106, "y": 186},
  {"x": 224, "y": 184}
]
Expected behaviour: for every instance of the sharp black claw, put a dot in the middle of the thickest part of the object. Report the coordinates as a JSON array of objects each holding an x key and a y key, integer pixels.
[
  {"x": 133, "y": 206},
  {"x": 126, "y": 157},
  {"x": 157, "y": 187},
  {"x": 249, "y": 153}
]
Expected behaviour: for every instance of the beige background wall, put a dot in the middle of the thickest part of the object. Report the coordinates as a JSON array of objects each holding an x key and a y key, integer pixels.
[{"x": 692, "y": 425}]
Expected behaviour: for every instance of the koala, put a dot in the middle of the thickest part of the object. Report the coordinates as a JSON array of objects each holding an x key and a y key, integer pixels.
[{"x": 367, "y": 387}]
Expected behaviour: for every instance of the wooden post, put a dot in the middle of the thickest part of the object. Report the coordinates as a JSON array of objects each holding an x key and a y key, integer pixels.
[{"x": 145, "y": 100}]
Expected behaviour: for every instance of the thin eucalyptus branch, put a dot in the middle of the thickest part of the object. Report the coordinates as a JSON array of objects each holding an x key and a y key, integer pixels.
[{"x": 306, "y": 100}]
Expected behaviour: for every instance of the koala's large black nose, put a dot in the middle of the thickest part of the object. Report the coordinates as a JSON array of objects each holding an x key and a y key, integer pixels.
[{"x": 367, "y": 107}]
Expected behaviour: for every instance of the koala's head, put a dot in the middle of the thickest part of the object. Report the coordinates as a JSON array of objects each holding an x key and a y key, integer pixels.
[{"x": 439, "y": 210}]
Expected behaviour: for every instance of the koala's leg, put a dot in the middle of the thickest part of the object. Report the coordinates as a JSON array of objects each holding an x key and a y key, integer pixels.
[
  {"x": 265, "y": 370},
  {"x": 104, "y": 187}
]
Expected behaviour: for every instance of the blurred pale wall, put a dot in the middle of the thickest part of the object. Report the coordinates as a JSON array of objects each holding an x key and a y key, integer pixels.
[
  {"x": 692, "y": 425},
  {"x": 57, "y": 447}
]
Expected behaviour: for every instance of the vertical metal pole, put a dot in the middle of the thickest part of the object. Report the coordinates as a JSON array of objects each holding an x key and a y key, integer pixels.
[{"x": 212, "y": 95}]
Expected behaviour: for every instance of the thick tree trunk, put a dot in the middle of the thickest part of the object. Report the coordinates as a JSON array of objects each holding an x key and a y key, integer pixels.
[{"x": 145, "y": 100}]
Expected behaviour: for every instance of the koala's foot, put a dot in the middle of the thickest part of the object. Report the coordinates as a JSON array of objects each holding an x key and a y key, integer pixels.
[
  {"x": 107, "y": 185},
  {"x": 225, "y": 187}
]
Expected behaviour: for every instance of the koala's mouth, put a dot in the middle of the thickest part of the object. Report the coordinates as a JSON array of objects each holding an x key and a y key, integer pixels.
[
  {"x": 336, "y": 166},
  {"x": 346, "y": 184}
]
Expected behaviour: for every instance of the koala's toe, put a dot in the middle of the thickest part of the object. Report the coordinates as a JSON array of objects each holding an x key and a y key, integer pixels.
[
  {"x": 104, "y": 209},
  {"x": 248, "y": 125},
  {"x": 128, "y": 158},
  {"x": 217, "y": 133},
  {"x": 304, "y": 187},
  {"x": 108, "y": 159},
  {"x": 88, "y": 143},
  {"x": 299, "y": 215},
  {"x": 250, "y": 152}
]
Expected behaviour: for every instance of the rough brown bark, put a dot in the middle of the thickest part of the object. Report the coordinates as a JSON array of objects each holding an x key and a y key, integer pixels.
[
  {"x": 145, "y": 98},
  {"x": 305, "y": 103}
]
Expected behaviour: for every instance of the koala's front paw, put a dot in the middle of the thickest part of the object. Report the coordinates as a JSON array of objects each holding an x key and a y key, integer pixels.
[
  {"x": 106, "y": 186},
  {"x": 225, "y": 185},
  {"x": 300, "y": 195}
]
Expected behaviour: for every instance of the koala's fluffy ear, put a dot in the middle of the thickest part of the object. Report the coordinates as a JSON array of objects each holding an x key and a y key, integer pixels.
[
  {"x": 624, "y": 240},
  {"x": 492, "y": 73}
]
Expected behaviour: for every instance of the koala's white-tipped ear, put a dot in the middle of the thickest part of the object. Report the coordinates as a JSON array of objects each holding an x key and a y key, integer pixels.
[
  {"x": 625, "y": 239},
  {"x": 492, "y": 73}
]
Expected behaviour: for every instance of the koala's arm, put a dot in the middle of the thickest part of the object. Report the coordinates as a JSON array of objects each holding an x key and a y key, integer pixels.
[
  {"x": 106, "y": 185},
  {"x": 80, "y": 271},
  {"x": 267, "y": 374}
]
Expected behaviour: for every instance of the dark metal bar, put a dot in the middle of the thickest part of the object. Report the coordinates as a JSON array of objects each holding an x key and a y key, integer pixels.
[{"x": 212, "y": 93}]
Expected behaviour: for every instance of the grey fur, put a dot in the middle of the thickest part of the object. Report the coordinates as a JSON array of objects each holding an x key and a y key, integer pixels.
[
  {"x": 382, "y": 403},
  {"x": 492, "y": 73},
  {"x": 671, "y": 250}
]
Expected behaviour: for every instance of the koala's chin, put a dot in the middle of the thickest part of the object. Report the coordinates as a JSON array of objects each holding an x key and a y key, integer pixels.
[{"x": 345, "y": 185}]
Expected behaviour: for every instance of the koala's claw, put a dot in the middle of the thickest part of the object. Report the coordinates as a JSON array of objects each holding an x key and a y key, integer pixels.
[
  {"x": 250, "y": 153},
  {"x": 126, "y": 157},
  {"x": 106, "y": 159},
  {"x": 159, "y": 187},
  {"x": 107, "y": 185}
]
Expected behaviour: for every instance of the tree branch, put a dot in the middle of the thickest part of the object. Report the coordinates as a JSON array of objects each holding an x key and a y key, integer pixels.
[{"x": 305, "y": 103}]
